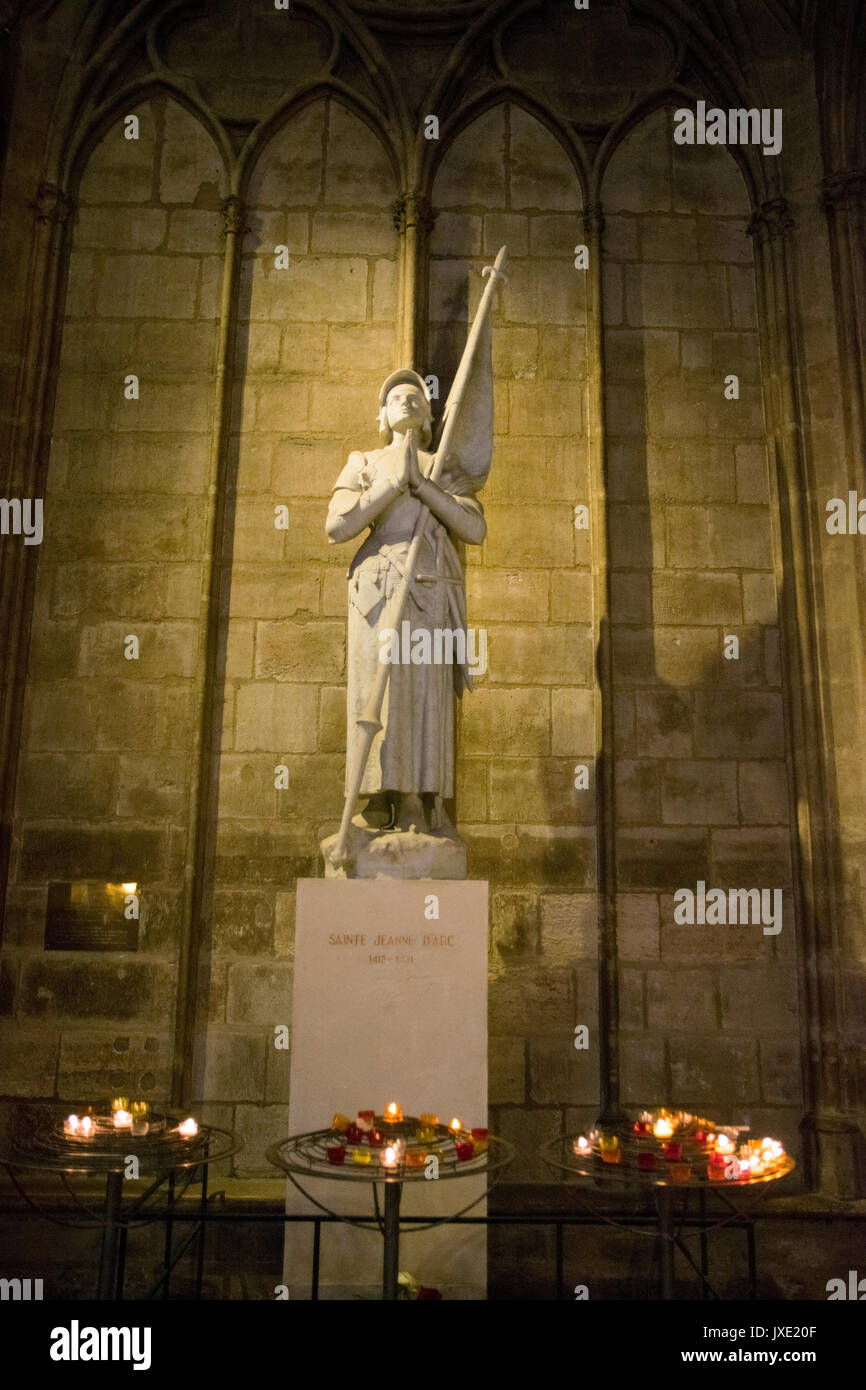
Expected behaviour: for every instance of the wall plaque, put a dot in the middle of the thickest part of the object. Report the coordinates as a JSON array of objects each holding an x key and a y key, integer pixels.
[{"x": 91, "y": 916}]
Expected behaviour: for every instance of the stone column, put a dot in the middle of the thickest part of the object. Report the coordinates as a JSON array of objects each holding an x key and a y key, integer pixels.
[
  {"x": 605, "y": 767},
  {"x": 830, "y": 1132},
  {"x": 25, "y": 477},
  {"x": 198, "y": 867},
  {"x": 413, "y": 218}
]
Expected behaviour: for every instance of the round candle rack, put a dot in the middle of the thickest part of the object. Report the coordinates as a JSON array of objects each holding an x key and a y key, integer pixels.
[
  {"x": 619, "y": 1156},
  {"x": 690, "y": 1168},
  {"x": 49, "y": 1146},
  {"x": 306, "y": 1155},
  {"x": 106, "y": 1149}
]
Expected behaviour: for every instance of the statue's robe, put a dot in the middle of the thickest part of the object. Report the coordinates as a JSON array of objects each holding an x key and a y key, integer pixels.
[{"x": 414, "y": 751}]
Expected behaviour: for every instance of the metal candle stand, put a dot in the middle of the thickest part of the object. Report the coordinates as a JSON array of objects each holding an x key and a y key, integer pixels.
[
  {"x": 306, "y": 1155},
  {"x": 104, "y": 1152},
  {"x": 591, "y": 1168}
]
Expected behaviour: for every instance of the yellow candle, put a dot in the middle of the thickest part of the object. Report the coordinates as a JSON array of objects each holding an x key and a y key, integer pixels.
[
  {"x": 393, "y": 1112},
  {"x": 121, "y": 1103},
  {"x": 428, "y": 1121},
  {"x": 340, "y": 1122},
  {"x": 610, "y": 1151},
  {"x": 362, "y": 1156},
  {"x": 415, "y": 1157}
]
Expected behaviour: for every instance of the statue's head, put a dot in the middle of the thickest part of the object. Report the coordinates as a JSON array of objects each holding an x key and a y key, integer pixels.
[{"x": 404, "y": 403}]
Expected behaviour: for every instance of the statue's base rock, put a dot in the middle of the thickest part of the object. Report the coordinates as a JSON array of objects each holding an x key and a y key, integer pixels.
[{"x": 396, "y": 854}]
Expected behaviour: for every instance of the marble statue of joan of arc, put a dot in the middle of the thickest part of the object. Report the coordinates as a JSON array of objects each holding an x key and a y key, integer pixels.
[{"x": 410, "y": 768}]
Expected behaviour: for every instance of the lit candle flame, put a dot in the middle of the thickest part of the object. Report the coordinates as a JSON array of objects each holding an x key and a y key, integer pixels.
[
  {"x": 456, "y": 1126},
  {"x": 122, "y": 1119},
  {"x": 71, "y": 1124},
  {"x": 663, "y": 1129},
  {"x": 85, "y": 1125},
  {"x": 583, "y": 1144},
  {"x": 393, "y": 1111},
  {"x": 188, "y": 1128},
  {"x": 389, "y": 1157},
  {"x": 724, "y": 1145}
]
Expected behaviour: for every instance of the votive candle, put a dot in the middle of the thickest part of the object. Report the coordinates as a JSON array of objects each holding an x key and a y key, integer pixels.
[
  {"x": 188, "y": 1128},
  {"x": 716, "y": 1167},
  {"x": 610, "y": 1150},
  {"x": 393, "y": 1113},
  {"x": 140, "y": 1111}
]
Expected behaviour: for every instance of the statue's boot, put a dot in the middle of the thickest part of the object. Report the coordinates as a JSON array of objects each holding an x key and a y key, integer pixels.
[
  {"x": 410, "y": 813},
  {"x": 438, "y": 818},
  {"x": 377, "y": 813}
]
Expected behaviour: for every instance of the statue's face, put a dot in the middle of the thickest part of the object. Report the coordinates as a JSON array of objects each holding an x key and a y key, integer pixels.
[{"x": 406, "y": 408}]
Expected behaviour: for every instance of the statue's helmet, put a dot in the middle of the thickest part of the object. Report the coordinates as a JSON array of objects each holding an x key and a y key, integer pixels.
[{"x": 395, "y": 379}]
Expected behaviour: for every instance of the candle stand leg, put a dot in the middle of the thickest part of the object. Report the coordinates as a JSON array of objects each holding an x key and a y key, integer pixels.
[
  {"x": 666, "y": 1242},
  {"x": 391, "y": 1258},
  {"x": 199, "y": 1264},
  {"x": 108, "y": 1254}
]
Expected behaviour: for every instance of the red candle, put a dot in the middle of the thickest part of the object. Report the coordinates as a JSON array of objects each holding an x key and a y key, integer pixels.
[
  {"x": 366, "y": 1119},
  {"x": 354, "y": 1134},
  {"x": 716, "y": 1167},
  {"x": 641, "y": 1127},
  {"x": 646, "y": 1161},
  {"x": 374, "y": 1136},
  {"x": 336, "y": 1154},
  {"x": 465, "y": 1149},
  {"x": 672, "y": 1149}
]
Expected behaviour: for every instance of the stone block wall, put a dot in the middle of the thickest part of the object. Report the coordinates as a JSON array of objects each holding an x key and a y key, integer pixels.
[
  {"x": 710, "y": 1013},
  {"x": 529, "y": 722},
  {"x": 315, "y": 342},
  {"x": 108, "y": 743}
]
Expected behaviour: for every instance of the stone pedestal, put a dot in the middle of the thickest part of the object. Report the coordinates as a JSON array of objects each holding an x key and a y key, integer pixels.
[
  {"x": 413, "y": 854},
  {"x": 389, "y": 1003}
]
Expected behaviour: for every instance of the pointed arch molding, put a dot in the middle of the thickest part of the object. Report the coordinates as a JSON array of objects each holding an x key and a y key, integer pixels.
[{"x": 94, "y": 93}]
